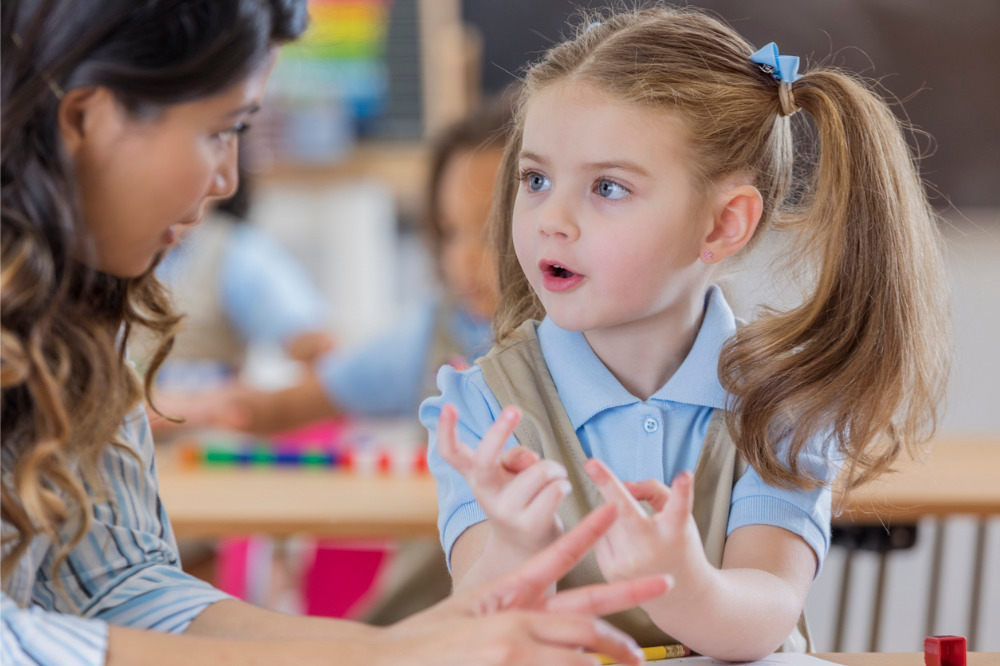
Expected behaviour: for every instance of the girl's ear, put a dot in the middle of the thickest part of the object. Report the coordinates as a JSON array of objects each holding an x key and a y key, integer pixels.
[
  {"x": 83, "y": 113},
  {"x": 735, "y": 214}
]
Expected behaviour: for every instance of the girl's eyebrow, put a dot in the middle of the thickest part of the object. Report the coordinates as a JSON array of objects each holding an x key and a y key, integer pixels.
[
  {"x": 624, "y": 165},
  {"x": 528, "y": 155}
]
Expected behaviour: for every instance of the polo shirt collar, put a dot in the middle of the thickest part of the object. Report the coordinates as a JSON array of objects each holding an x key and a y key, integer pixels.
[{"x": 587, "y": 387}]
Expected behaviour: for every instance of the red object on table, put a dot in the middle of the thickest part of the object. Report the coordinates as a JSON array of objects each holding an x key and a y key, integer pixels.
[{"x": 944, "y": 651}]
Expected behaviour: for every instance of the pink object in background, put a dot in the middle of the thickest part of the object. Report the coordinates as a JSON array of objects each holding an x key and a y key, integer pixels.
[{"x": 341, "y": 576}]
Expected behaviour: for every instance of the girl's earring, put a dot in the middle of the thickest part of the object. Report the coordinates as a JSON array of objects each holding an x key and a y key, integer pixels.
[{"x": 707, "y": 256}]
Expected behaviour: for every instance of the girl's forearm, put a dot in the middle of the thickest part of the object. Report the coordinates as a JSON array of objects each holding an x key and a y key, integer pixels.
[
  {"x": 756, "y": 609},
  {"x": 495, "y": 561}
]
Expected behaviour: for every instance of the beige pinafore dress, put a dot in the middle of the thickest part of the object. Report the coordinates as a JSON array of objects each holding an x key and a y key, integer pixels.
[{"x": 517, "y": 375}]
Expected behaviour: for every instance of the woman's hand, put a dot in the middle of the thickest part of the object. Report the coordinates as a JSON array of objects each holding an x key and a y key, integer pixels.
[
  {"x": 518, "y": 492},
  {"x": 639, "y": 544},
  {"x": 515, "y": 621}
]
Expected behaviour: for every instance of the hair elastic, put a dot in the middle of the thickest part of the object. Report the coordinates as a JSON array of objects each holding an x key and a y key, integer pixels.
[{"x": 785, "y": 69}]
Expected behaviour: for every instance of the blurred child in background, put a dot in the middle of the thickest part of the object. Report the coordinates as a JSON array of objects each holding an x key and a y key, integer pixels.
[{"x": 390, "y": 374}]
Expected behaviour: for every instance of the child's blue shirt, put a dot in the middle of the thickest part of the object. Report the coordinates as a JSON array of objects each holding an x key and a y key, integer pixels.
[
  {"x": 387, "y": 375},
  {"x": 656, "y": 438}
]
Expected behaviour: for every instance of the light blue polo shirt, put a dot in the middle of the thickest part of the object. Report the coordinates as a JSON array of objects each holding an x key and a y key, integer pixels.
[
  {"x": 656, "y": 438},
  {"x": 387, "y": 375}
]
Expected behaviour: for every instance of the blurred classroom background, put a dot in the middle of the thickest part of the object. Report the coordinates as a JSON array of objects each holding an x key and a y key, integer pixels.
[{"x": 339, "y": 163}]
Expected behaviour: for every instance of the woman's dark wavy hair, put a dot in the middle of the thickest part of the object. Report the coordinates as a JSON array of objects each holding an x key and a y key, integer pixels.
[{"x": 66, "y": 383}]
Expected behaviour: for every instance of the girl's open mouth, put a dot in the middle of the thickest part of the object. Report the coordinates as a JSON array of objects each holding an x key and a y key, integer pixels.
[{"x": 557, "y": 276}]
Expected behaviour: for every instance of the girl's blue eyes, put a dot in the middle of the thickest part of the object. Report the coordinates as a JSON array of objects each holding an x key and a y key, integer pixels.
[
  {"x": 537, "y": 182},
  {"x": 608, "y": 189}
]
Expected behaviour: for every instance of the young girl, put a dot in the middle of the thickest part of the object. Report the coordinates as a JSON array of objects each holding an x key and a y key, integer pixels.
[
  {"x": 647, "y": 152},
  {"x": 120, "y": 124}
]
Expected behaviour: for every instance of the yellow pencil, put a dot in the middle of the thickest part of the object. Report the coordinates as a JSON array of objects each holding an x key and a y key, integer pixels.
[{"x": 654, "y": 653}]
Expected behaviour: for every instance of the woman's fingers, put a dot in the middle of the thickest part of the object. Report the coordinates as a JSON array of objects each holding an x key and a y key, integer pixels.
[
  {"x": 609, "y": 598},
  {"x": 591, "y": 634},
  {"x": 651, "y": 491},
  {"x": 454, "y": 452}
]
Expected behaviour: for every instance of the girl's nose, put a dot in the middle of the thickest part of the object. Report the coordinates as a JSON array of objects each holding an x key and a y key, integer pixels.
[{"x": 556, "y": 219}]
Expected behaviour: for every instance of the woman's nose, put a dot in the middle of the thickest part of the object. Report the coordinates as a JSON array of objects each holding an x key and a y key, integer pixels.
[{"x": 226, "y": 178}]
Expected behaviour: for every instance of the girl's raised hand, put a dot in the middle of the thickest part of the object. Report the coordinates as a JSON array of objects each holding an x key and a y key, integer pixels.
[
  {"x": 639, "y": 544},
  {"x": 518, "y": 492},
  {"x": 515, "y": 619}
]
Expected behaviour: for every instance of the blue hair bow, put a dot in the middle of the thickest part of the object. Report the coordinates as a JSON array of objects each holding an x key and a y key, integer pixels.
[{"x": 783, "y": 68}]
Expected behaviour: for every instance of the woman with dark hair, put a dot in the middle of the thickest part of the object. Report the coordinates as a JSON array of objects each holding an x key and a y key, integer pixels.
[{"x": 120, "y": 124}]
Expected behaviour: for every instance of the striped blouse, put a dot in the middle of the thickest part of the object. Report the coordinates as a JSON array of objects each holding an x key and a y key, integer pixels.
[{"x": 124, "y": 572}]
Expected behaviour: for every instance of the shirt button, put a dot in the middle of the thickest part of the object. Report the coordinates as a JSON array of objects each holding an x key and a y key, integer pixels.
[{"x": 651, "y": 425}]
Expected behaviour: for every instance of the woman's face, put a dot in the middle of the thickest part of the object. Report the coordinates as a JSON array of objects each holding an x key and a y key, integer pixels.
[{"x": 145, "y": 180}]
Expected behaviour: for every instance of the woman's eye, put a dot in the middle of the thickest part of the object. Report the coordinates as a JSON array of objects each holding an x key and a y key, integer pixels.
[
  {"x": 609, "y": 189},
  {"x": 536, "y": 182},
  {"x": 235, "y": 130}
]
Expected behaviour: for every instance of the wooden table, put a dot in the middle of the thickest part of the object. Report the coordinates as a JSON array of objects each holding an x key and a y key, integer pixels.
[
  {"x": 207, "y": 502},
  {"x": 960, "y": 476},
  {"x": 901, "y": 658}
]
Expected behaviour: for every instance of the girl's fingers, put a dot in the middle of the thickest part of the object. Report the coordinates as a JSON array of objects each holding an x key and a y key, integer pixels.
[
  {"x": 523, "y": 488},
  {"x": 651, "y": 491},
  {"x": 517, "y": 459},
  {"x": 532, "y": 579},
  {"x": 537, "y": 516},
  {"x": 591, "y": 634},
  {"x": 609, "y": 598},
  {"x": 496, "y": 437},
  {"x": 678, "y": 509},
  {"x": 454, "y": 452},
  {"x": 612, "y": 489}
]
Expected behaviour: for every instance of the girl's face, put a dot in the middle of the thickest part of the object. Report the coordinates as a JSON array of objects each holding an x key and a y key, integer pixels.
[
  {"x": 465, "y": 196},
  {"x": 604, "y": 221},
  {"x": 144, "y": 181}
]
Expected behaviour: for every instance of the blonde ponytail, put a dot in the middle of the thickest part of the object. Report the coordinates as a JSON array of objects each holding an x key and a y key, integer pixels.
[{"x": 865, "y": 358}]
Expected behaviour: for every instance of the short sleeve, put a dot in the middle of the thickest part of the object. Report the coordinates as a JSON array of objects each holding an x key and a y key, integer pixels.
[
  {"x": 806, "y": 513},
  {"x": 265, "y": 291},
  {"x": 478, "y": 409}
]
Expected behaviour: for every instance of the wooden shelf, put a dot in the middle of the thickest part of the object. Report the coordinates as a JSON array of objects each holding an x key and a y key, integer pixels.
[{"x": 402, "y": 166}]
